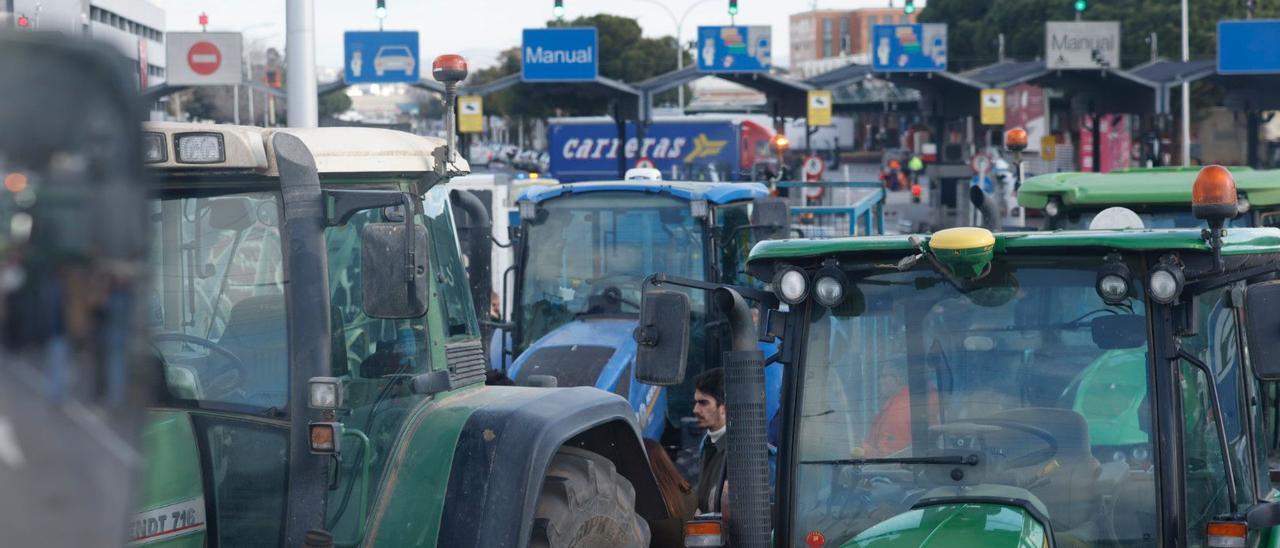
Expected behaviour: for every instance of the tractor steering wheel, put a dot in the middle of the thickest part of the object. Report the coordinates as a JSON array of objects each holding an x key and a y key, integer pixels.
[{"x": 235, "y": 365}]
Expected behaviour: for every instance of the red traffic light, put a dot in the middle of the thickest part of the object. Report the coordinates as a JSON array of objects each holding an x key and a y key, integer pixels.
[
  {"x": 449, "y": 68},
  {"x": 23, "y": 22},
  {"x": 204, "y": 20}
]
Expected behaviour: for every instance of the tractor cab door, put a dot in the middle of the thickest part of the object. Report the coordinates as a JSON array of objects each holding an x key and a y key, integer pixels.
[{"x": 218, "y": 447}]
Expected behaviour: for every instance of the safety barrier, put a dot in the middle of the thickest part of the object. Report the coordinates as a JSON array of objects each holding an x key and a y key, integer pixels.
[{"x": 834, "y": 209}]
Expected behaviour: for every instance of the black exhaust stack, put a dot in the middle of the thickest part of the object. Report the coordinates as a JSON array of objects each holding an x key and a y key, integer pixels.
[{"x": 748, "y": 465}]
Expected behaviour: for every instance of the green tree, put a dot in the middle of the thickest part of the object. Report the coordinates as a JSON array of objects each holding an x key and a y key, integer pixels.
[{"x": 334, "y": 103}]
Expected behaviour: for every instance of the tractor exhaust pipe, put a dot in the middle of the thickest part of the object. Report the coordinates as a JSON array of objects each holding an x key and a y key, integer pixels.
[{"x": 748, "y": 467}]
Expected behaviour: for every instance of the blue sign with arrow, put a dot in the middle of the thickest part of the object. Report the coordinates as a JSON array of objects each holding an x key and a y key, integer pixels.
[
  {"x": 560, "y": 55},
  {"x": 735, "y": 49},
  {"x": 909, "y": 48},
  {"x": 1248, "y": 47},
  {"x": 381, "y": 57}
]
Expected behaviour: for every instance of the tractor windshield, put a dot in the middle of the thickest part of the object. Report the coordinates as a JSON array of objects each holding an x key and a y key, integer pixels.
[
  {"x": 217, "y": 306},
  {"x": 588, "y": 254},
  {"x": 1026, "y": 386}
]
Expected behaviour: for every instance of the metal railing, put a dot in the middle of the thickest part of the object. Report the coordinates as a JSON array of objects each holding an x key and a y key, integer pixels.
[{"x": 833, "y": 209}]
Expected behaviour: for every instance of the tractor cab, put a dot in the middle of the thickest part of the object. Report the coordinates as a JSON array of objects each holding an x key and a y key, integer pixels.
[
  {"x": 582, "y": 253},
  {"x": 324, "y": 368},
  {"x": 1160, "y": 196},
  {"x": 1100, "y": 388}
]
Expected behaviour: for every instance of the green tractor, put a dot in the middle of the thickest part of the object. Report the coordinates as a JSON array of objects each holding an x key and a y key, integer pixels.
[
  {"x": 1159, "y": 196},
  {"x": 1101, "y": 388},
  {"x": 325, "y": 375}
]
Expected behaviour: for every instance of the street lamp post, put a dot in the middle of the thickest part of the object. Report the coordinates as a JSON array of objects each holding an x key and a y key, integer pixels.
[
  {"x": 1186, "y": 92},
  {"x": 679, "y": 22}
]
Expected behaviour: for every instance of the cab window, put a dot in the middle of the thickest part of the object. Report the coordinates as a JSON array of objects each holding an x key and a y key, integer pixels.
[
  {"x": 217, "y": 309},
  {"x": 735, "y": 243}
]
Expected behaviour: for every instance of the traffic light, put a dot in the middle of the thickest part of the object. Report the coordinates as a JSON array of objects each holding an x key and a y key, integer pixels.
[
  {"x": 24, "y": 22},
  {"x": 1081, "y": 5},
  {"x": 558, "y": 9},
  {"x": 381, "y": 10},
  {"x": 910, "y": 7},
  {"x": 733, "y": 7}
]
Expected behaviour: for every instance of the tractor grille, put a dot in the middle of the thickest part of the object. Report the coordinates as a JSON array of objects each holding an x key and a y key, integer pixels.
[
  {"x": 578, "y": 365},
  {"x": 466, "y": 362}
]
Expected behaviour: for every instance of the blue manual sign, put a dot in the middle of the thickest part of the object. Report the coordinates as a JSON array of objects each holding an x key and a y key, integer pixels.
[
  {"x": 735, "y": 49},
  {"x": 560, "y": 55},
  {"x": 1248, "y": 47},
  {"x": 381, "y": 57},
  {"x": 909, "y": 48}
]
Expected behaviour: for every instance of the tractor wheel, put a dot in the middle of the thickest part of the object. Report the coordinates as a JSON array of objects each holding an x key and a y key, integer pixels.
[{"x": 585, "y": 503}]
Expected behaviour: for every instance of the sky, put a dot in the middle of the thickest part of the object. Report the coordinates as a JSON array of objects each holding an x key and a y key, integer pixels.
[{"x": 479, "y": 29}]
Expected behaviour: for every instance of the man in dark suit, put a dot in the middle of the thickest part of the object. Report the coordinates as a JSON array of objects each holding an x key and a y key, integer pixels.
[{"x": 709, "y": 410}]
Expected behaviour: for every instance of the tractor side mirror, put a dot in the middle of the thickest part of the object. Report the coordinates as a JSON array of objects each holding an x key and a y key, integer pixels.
[
  {"x": 394, "y": 266},
  {"x": 771, "y": 218},
  {"x": 1263, "y": 328},
  {"x": 662, "y": 338}
]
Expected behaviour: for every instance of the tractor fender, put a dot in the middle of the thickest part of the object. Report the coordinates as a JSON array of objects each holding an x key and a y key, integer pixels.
[{"x": 506, "y": 445}]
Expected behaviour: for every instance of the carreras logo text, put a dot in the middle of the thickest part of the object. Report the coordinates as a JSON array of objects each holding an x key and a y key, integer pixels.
[
  {"x": 539, "y": 55},
  {"x": 665, "y": 148}
]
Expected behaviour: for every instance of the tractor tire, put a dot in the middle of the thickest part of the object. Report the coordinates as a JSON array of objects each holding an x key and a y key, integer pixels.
[{"x": 585, "y": 503}]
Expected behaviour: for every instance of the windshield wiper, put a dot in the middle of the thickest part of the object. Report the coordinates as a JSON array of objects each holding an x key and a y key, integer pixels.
[{"x": 967, "y": 460}]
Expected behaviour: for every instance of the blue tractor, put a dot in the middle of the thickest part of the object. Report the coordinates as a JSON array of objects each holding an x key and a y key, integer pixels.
[{"x": 582, "y": 251}]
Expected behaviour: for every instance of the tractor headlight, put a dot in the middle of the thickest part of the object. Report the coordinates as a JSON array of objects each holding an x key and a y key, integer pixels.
[
  {"x": 1112, "y": 283},
  {"x": 828, "y": 287},
  {"x": 1053, "y": 208},
  {"x": 528, "y": 210},
  {"x": 1165, "y": 283},
  {"x": 791, "y": 285},
  {"x": 200, "y": 148},
  {"x": 324, "y": 393},
  {"x": 153, "y": 150}
]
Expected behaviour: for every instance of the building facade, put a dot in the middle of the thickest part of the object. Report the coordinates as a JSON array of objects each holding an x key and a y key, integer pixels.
[
  {"x": 826, "y": 39},
  {"x": 134, "y": 27}
]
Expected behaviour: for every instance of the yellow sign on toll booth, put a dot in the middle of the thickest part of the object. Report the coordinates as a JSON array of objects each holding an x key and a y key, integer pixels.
[
  {"x": 470, "y": 114},
  {"x": 993, "y": 107},
  {"x": 819, "y": 107}
]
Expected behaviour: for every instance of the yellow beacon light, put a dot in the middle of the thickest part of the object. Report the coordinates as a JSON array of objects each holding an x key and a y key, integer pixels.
[{"x": 967, "y": 250}]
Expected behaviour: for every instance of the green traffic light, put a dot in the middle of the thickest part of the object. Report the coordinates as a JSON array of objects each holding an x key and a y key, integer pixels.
[
  {"x": 909, "y": 9},
  {"x": 558, "y": 11},
  {"x": 733, "y": 7},
  {"x": 1081, "y": 5}
]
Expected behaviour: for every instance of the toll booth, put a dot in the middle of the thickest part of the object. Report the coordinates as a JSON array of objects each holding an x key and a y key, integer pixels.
[
  {"x": 785, "y": 98},
  {"x": 625, "y": 101},
  {"x": 948, "y": 105}
]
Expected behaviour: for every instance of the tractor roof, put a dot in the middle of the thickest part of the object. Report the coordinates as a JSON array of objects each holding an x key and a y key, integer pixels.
[
  {"x": 1239, "y": 241},
  {"x": 716, "y": 193},
  {"x": 336, "y": 149},
  {"x": 1152, "y": 186}
]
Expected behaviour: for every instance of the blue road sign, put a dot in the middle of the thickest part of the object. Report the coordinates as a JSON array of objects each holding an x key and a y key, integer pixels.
[
  {"x": 735, "y": 49},
  {"x": 1248, "y": 47},
  {"x": 381, "y": 57},
  {"x": 909, "y": 48},
  {"x": 560, "y": 55}
]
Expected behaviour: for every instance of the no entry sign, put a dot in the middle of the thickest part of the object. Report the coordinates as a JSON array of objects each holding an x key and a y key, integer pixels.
[{"x": 203, "y": 58}]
